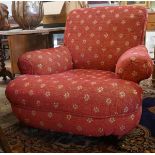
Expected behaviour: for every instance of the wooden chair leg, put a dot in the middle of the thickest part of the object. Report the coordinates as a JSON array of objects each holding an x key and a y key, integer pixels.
[{"x": 3, "y": 142}]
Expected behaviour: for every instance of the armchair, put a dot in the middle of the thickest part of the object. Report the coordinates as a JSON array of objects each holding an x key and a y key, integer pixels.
[{"x": 89, "y": 86}]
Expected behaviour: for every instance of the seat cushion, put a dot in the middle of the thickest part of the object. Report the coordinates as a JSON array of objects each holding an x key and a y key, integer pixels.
[
  {"x": 82, "y": 92},
  {"x": 78, "y": 93}
]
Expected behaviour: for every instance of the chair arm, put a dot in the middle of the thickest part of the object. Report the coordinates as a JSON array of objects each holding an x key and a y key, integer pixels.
[
  {"x": 135, "y": 64},
  {"x": 45, "y": 61}
]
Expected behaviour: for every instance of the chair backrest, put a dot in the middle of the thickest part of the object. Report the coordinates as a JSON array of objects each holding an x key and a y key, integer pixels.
[{"x": 97, "y": 37}]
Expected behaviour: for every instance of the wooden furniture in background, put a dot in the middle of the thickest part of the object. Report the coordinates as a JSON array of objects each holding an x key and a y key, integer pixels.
[
  {"x": 140, "y": 3},
  {"x": 19, "y": 44},
  {"x": 21, "y": 41},
  {"x": 3, "y": 71},
  {"x": 4, "y": 25},
  {"x": 5, "y": 48},
  {"x": 151, "y": 21}
]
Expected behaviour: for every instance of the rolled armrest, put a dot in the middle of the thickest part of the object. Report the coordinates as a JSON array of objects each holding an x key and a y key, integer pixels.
[
  {"x": 45, "y": 61},
  {"x": 135, "y": 64}
]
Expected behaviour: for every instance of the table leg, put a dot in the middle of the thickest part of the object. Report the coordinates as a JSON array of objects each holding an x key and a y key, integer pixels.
[{"x": 4, "y": 72}]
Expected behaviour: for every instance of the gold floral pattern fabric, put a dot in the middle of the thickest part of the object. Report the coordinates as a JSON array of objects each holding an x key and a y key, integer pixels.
[
  {"x": 76, "y": 88},
  {"x": 46, "y": 61},
  {"x": 135, "y": 64},
  {"x": 83, "y": 98},
  {"x": 97, "y": 37}
]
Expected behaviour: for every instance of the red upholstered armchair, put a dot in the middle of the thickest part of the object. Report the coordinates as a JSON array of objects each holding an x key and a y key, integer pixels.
[{"x": 89, "y": 86}]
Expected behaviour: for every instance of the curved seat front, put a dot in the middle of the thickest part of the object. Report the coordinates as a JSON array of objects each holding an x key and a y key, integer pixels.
[{"x": 85, "y": 102}]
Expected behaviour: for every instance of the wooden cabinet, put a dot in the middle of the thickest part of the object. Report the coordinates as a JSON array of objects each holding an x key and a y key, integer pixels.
[
  {"x": 21, "y": 41},
  {"x": 151, "y": 21},
  {"x": 20, "y": 44}
]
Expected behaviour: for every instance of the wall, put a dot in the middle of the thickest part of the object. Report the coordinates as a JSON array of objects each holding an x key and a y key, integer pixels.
[{"x": 153, "y": 4}]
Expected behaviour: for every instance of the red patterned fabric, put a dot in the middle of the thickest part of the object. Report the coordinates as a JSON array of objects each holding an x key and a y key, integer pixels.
[
  {"x": 92, "y": 95},
  {"x": 77, "y": 124},
  {"x": 97, "y": 37},
  {"x": 46, "y": 61},
  {"x": 88, "y": 98},
  {"x": 135, "y": 64}
]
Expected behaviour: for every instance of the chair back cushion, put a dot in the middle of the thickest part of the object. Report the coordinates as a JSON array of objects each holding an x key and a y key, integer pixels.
[{"x": 97, "y": 37}]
